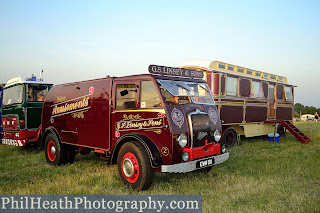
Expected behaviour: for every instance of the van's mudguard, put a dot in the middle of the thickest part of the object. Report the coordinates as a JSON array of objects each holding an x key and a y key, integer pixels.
[
  {"x": 153, "y": 151},
  {"x": 45, "y": 133}
]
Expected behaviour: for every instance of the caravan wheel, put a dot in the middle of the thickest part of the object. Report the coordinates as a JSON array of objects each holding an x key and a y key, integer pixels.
[{"x": 229, "y": 137}]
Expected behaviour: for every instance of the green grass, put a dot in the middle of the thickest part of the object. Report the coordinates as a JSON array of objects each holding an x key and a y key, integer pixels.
[{"x": 260, "y": 176}]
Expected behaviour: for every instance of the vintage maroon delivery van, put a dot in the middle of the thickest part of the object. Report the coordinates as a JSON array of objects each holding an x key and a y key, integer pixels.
[{"x": 164, "y": 121}]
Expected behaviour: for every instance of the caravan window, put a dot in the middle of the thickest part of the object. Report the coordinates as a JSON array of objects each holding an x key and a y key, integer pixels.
[
  {"x": 256, "y": 90},
  {"x": 240, "y": 70},
  {"x": 221, "y": 66},
  {"x": 288, "y": 93},
  {"x": 271, "y": 92},
  {"x": 232, "y": 84},
  {"x": 280, "y": 92},
  {"x": 244, "y": 87}
]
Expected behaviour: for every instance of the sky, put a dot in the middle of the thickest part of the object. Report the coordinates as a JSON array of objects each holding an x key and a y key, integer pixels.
[{"x": 77, "y": 40}]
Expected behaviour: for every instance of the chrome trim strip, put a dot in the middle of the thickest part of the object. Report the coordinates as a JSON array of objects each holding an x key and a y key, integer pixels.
[{"x": 191, "y": 166}]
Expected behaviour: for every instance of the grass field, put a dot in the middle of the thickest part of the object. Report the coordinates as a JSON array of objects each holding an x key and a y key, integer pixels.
[{"x": 260, "y": 176}]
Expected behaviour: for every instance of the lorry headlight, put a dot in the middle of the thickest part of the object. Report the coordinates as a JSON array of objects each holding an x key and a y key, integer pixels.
[
  {"x": 185, "y": 156},
  {"x": 17, "y": 134},
  {"x": 182, "y": 140},
  {"x": 217, "y": 135}
]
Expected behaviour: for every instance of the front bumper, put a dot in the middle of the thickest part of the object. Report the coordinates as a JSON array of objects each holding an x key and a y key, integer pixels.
[
  {"x": 192, "y": 165},
  {"x": 24, "y": 137},
  {"x": 13, "y": 142}
]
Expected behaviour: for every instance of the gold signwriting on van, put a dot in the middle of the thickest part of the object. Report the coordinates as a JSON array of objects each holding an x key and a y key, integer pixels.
[
  {"x": 131, "y": 117},
  {"x": 77, "y": 106},
  {"x": 67, "y": 107},
  {"x": 139, "y": 124}
]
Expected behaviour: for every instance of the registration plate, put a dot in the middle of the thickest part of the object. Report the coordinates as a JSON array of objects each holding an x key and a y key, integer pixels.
[
  {"x": 205, "y": 163},
  {"x": 13, "y": 142}
]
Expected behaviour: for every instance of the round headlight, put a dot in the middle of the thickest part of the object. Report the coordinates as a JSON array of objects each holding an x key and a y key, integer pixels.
[
  {"x": 185, "y": 156},
  {"x": 182, "y": 140},
  {"x": 217, "y": 135}
]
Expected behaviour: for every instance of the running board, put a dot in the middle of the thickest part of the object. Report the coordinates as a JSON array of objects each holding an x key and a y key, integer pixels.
[{"x": 295, "y": 131}]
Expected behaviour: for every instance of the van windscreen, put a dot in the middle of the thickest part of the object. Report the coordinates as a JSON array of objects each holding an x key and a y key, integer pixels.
[{"x": 179, "y": 92}]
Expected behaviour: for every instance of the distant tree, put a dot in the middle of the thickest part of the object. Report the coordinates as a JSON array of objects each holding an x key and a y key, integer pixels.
[
  {"x": 309, "y": 110},
  {"x": 305, "y": 109},
  {"x": 298, "y": 107},
  {"x": 296, "y": 115},
  {"x": 313, "y": 110}
]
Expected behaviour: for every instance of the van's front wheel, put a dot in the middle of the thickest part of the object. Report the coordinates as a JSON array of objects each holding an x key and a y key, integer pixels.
[
  {"x": 54, "y": 154},
  {"x": 134, "y": 166}
]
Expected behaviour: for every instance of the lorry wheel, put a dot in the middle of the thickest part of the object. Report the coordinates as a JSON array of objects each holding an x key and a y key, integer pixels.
[
  {"x": 205, "y": 170},
  {"x": 71, "y": 153},
  {"x": 54, "y": 154},
  {"x": 134, "y": 166},
  {"x": 229, "y": 137}
]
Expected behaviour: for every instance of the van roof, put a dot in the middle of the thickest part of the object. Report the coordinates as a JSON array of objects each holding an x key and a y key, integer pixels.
[{"x": 140, "y": 77}]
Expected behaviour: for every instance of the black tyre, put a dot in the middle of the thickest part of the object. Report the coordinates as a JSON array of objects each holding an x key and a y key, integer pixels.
[
  {"x": 205, "y": 170},
  {"x": 134, "y": 166},
  {"x": 54, "y": 154},
  {"x": 71, "y": 153},
  {"x": 229, "y": 137}
]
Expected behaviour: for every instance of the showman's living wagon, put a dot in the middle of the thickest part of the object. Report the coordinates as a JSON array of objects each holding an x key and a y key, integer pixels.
[{"x": 249, "y": 102}]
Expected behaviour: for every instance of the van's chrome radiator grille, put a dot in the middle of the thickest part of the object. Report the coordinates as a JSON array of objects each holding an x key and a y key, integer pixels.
[{"x": 199, "y": 124}]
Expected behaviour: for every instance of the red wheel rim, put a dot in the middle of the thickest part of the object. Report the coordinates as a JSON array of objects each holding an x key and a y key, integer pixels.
[
  {"x": 229, "y": 139},
  {"x": 130, "y": 167},
  {"x": 52, "y": 151}
]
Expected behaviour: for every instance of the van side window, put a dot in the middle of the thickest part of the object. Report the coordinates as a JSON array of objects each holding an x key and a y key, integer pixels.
[
  {"x": 232, "y": 84},
  {"x": 126, "y": 96},
  {"x": 149, "y": 97}
]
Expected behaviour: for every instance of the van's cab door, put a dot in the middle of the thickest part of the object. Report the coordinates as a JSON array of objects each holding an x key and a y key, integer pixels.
[{"x": 124, "y": 104}]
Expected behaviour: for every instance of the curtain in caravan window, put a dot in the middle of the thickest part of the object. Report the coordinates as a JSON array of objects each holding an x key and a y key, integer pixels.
[
  {"x": 288, "y": 93},
  {"x": 256, "y": 86},
  {"x": 232, "y": 86}
]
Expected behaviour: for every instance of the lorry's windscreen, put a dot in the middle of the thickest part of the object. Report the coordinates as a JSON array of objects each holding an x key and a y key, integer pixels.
[
  {"x": 12, "y": 95},
  {"x": 203, "y": 91},
  {"x": 177, "y": 92},
  {"x": 37, "y": 92}
]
